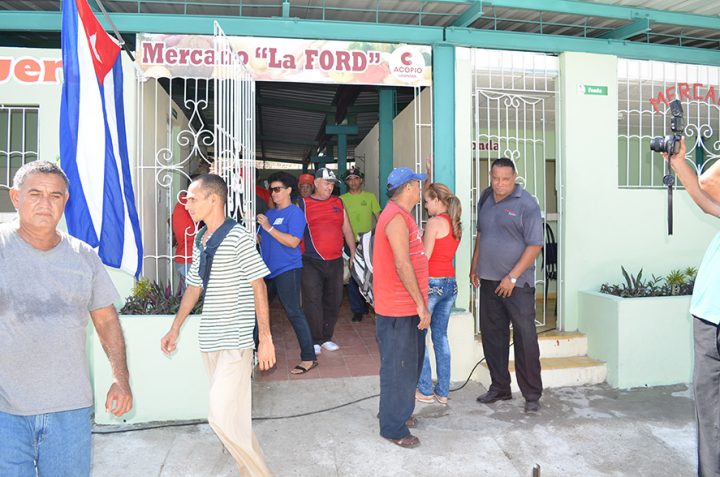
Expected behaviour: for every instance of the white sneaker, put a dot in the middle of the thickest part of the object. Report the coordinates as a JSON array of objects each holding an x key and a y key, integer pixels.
[
  {"x": 330, "y": 346},
  {"x": 317, "y": 349}
]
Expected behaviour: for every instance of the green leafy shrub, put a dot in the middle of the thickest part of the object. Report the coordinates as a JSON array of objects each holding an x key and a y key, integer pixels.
[
  {"x": 677, "y": 282},
  {"x": 151, "y": 298}
]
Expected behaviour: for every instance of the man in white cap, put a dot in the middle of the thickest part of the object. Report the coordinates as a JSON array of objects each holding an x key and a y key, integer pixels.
[{"x": 327, "y": 228}]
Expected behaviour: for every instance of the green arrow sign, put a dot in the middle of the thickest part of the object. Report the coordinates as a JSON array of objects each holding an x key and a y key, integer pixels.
[{"x": 592, "y": 90}]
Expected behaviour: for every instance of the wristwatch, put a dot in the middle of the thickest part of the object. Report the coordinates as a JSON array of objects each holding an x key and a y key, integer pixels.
[{"x": 513, "y": 280}]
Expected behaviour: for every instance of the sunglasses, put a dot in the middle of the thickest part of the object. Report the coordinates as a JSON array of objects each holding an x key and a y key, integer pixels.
[{"x": 277, "y": 189}]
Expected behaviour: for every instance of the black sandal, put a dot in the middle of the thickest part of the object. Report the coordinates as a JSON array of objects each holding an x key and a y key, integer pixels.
[{"x": 300, "y": 370}]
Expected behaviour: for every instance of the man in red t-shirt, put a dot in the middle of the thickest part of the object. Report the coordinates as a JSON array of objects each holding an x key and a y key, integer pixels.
[
  {"x": 184, "y": 232},
  {"x": 400, "y": 287},
  {"x": 327, "y": 228}
]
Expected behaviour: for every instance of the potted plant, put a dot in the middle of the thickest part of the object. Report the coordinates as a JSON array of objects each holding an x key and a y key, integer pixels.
[
  {"x": 164, "y": 387},
  {"x": 641, "y": 327}
]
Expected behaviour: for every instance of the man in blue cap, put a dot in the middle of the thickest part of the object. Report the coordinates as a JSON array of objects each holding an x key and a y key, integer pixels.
[{"x": 400, "y": 287}]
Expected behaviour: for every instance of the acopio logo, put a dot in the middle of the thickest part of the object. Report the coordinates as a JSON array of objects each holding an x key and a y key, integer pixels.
[{"x": 407, "y": 64}]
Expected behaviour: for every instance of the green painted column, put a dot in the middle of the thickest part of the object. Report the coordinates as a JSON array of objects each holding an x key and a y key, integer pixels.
[
  {"x": 444, "y": 114},
  {"x": 387, "y": 114},
  {"x": 342, "y": 131}
]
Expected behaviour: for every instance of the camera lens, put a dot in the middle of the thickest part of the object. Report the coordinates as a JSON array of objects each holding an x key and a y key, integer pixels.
[{"x": 658, "y": 144}]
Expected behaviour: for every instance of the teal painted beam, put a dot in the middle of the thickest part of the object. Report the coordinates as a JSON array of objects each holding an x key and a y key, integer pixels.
[
  {"x": 286, "y": 8},
  {"x": 444, "y": 114},
  {"x": 469, "y": 16},
  {"x": 628, "y": 31},
  {"x": 235, "y": 26},
  {"x": 295, "y": 28},
  {"x": 385, "y": 126},
  {"x": 603, "y": 10},
  {"x": 560, "y": 44},
  {"x": 342, "y": 160}
]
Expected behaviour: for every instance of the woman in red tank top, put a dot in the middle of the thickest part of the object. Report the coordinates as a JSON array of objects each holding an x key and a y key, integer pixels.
[{"x": 441, "y": 240}]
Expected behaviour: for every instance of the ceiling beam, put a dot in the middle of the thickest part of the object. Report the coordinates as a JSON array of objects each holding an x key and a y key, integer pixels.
[
  {"x": 628, "y": 31},
  {"x": 469, "y": 16},
  {"x": 559, "y": 44},
  {"x": 604, "y": 10},
  {"x": 295, "y": 28},
  {"x": 234, "y": 26}
]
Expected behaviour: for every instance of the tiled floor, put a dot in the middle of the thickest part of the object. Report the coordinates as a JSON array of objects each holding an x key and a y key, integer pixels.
[{"x": 358, "y": 354}]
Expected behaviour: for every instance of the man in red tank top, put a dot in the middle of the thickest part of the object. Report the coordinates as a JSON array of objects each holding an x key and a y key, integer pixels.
[{"x": 400, "y": 287}]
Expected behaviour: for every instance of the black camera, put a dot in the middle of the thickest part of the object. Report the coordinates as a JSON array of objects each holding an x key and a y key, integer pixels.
[{"x": 671, "y": 142}]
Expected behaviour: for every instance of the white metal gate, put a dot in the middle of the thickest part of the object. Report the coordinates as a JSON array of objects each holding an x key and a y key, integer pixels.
[
  {"x": 235, "y": 130},
  {"x": 422, "y": 113},
  {"x": 514, "y": 117},
  {"x": 201, "y": 122}
]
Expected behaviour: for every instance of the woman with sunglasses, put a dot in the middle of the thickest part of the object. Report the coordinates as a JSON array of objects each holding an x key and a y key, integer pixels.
[{"x": 281, "y": 231}]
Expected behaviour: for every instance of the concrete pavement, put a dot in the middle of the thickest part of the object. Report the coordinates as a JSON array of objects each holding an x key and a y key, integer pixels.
[{"x": 582, "y": 431}]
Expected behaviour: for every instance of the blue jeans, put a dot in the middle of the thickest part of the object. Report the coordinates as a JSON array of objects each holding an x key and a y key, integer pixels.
[
  {"x": 357, "y": 302},
  {"x": 441, "y": 296},
  {"x": 56, "y": 444},
  {"x": 287, "y": 286},
  {"x": 401, "y": 350}
]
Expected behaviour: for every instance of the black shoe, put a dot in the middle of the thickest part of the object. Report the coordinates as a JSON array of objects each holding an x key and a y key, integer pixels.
[
  {"x": 532, "y": 406},
  {"x": 357, "y": 317},
  {"x": 493, "y": 396}
]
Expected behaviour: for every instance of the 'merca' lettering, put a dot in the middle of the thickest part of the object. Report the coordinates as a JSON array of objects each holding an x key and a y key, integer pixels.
[
  {"x": 157, "y": 53},
  {"x": 684, "y": 91}
]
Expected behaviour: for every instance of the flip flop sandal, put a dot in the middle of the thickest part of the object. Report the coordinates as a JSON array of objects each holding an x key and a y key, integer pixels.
[
  {"x": 407, "y": 442},
  {"x": 419, "y": 397},
  {"x": 300, "y": 370}
]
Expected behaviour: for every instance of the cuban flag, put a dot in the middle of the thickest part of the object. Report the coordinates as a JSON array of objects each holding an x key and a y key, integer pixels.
[{"x": 93, "y": 144}]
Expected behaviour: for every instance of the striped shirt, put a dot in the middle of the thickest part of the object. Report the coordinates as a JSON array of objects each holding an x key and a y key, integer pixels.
[{"x": 228, "y": 317}]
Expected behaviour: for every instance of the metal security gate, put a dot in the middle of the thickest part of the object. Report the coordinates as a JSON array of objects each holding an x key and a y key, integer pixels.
[
  {"x": 422, "y": 114},
  {"x": 201, "y": 122},
  {"x": 514, "y": 117},
  {"x": 235, "y": 131}
]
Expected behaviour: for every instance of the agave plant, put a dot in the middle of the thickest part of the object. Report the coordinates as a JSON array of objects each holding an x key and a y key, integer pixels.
[{"x": 675, "y": 280}]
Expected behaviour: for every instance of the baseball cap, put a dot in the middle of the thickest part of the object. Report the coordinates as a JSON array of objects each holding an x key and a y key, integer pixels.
[
  {"x": 353, "y": 171},
  {"x": 306, "y": 179},
  {"x": 401, "y": 175},
  {"x": 326, "y": 174}
]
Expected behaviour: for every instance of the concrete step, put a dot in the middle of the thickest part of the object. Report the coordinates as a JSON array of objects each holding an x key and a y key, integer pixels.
[
  {"x": 561, "y": 344},
  {"x": 557, "y": 372}
]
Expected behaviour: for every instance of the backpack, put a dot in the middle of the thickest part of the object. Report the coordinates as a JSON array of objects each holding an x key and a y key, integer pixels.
[{"x": 362, "y": 268}]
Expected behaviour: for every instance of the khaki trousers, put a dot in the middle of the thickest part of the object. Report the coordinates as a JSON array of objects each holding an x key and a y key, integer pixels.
[{"x": 230, "y": 403}]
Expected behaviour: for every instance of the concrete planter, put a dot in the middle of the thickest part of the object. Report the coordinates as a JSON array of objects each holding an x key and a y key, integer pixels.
[
  {"x": 645, "y": 341},
  {"x": 164, "y": 388}
]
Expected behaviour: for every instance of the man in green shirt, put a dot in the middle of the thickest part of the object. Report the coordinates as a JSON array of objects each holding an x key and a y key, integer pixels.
[{"x": 362, "y": 209}]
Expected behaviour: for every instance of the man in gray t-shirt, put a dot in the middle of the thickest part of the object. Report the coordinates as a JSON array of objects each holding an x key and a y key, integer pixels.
[
  {"x": 509, "y": 239},
  {"x": 50, "y": 284}
]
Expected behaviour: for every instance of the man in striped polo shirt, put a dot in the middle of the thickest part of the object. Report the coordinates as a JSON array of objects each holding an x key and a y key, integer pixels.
[{"x": 235, "y": 293}]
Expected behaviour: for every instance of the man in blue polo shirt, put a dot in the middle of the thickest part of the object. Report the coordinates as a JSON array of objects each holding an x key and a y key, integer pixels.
[
  {"x": 705, "y": 307},
  {"x": 509, "y": 239}
]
